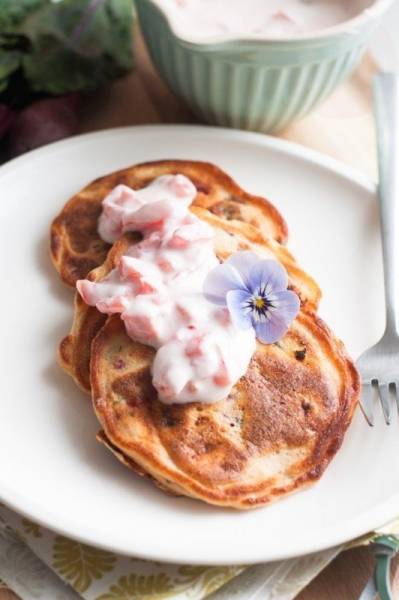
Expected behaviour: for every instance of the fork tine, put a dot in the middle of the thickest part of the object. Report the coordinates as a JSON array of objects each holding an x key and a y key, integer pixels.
[
  {"x": 385, "y": 402},
  {"x": 367, "y": 403}
]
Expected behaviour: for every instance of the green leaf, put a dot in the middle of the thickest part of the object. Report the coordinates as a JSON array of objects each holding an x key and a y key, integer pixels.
[
  {"x": 78, "y": 44},
  {"x": 9, "y": 62},
  {"x": 13, "y": 13}
]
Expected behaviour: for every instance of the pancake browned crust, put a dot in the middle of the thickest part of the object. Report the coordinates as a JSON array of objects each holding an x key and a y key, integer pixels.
[
  {"x": 129, "y": 463},
  {"x": 74, "y": 350},
  {"x": 275, "y": 433},
  {"x": 76, "y": 247}
]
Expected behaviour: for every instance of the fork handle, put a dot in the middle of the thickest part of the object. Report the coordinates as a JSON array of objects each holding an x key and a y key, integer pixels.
[{"x": 386, "y": 101}]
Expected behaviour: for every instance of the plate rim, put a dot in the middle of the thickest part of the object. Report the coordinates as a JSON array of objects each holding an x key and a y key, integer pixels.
[
  {"x": 372, "y": 519},
  {"x": 284, "y": 146}
]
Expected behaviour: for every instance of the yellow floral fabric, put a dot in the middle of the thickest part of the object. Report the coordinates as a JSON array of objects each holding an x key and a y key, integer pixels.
[
  {"x": 35, "y": 561},
  {"x": 96, "y": 574}
]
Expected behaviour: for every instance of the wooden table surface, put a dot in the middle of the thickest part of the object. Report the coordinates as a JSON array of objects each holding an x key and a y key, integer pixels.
[{"x": 343, "y": 128}]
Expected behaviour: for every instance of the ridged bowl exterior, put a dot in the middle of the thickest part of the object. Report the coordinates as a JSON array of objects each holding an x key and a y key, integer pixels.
[{"x": 254, "y": 85}]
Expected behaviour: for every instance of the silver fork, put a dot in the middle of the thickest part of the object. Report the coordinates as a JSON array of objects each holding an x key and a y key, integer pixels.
[{"x": 379, "y": 366}]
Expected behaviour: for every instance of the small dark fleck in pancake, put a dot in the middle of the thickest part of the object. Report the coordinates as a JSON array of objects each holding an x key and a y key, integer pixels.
[{"x": 76, "y": 248}]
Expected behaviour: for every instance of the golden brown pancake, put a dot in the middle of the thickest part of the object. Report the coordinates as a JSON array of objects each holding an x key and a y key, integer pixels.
[
  {"x": 275, "y": 433},
  {"x": 76, "y": 247},
  {"x": 284, "y": 420},
  {"x": 74, "y": 351}
]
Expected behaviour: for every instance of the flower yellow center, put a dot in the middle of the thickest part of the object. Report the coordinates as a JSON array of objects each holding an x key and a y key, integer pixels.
[{"x": 260, "y": 302}]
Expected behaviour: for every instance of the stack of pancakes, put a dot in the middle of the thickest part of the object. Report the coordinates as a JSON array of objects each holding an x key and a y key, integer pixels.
[{"x": 282, "y": 422}]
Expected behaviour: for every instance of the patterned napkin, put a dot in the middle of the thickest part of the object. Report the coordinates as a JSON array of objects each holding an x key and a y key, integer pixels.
[{"x": 39, "y": 564}]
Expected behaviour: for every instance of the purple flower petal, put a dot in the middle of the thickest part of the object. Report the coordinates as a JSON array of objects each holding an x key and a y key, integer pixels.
[
  {"x": 243, "y": 261},
  {"x": 237, "y": 303},
  {"x": 255, "y": 292},
  {"x": 287, "y": 304},
  {"x": 268, "y": 275},
  {"x": 285, "y": 308},
  {"x": 221, "y": 280},
  {"x": 272, "y": 330}
]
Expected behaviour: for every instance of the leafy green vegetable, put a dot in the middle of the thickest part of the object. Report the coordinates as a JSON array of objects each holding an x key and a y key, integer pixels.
[
  {"x": 13, "y": 12},
  {"x": 65, "y": 45},
  {"x": 9, "y": 62}
]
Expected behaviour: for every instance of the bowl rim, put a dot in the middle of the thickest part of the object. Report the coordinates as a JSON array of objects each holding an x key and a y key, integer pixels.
[{"x": 349, "y": 27}]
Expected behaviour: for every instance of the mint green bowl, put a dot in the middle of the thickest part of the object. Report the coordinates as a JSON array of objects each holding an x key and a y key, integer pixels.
[{"x": 256, "y": 84}]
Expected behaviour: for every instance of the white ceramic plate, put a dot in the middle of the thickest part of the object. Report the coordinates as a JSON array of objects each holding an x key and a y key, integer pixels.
[{"x": 51, "y": 467}]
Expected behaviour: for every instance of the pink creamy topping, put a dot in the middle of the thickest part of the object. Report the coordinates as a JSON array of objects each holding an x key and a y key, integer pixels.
[
  {"x": 282, "y": 18},
  {"x": 125, "y": 209},
  {"x": 157, "y": 289}
]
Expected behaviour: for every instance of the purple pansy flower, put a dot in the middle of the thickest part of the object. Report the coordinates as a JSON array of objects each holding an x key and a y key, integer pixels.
[{"x": 255, "y": 292}]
